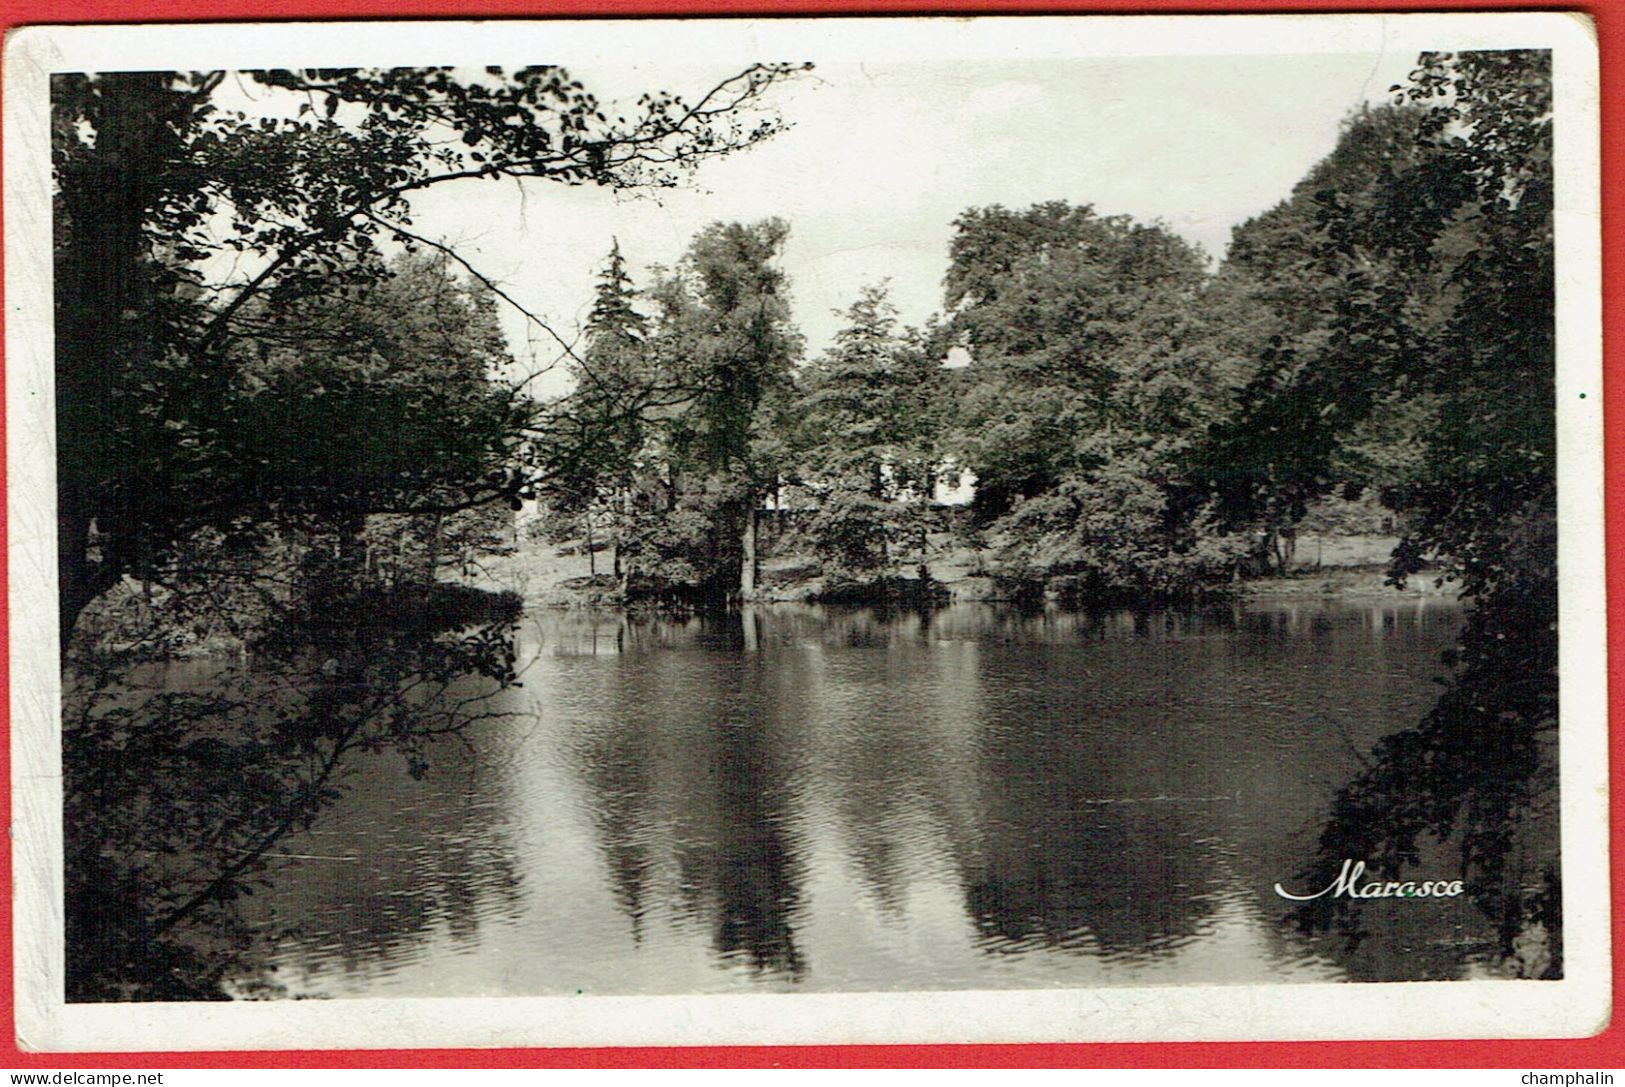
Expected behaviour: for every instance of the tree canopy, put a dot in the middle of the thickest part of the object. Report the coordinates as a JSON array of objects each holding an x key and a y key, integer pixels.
[
  {"x": 1084, "y": 381},
  {"x": 157, "y": 184},
  {"x": 867, "y": 429}
]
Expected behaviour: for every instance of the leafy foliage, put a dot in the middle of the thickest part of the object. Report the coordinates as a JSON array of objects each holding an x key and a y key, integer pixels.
[
  {"x": 866, "y": 439},
  {"x": 1481, "y": 769},
  {"x": 723, "y": 350},
  {"x": 158, "y": 185},
  {"x": 175, "y": 799},
  {"x": 730, "y": 340},
  {"x": 1090, "y": 373},
  {"x": 1333, "y": 319}
]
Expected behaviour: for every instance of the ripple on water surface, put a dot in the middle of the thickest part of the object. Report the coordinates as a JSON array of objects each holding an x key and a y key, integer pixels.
[{"x": 807, "y": 798}]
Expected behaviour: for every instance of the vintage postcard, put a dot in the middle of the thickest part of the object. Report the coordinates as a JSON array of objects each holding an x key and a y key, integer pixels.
[{"x": 801, "y": 531}]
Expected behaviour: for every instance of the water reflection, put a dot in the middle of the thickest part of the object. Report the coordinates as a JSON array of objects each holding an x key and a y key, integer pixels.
[
  {"x": 1470, "y": 788},
  {"x": 688, "y": 800},
  {"x": 440, "y": 867},
  {"x": 185, "y": 783},
  {"x": 799, "y": 797}
]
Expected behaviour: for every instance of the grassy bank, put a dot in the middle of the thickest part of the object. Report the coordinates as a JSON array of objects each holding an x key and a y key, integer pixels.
[{"x": 562, "y": 576}]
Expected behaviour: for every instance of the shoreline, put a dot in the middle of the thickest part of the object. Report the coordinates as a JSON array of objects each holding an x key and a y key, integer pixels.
[{"x": 547, "y": 579}]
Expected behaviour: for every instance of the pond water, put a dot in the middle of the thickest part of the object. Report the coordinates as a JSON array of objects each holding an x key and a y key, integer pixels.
[{"x": 798, "y": 798}]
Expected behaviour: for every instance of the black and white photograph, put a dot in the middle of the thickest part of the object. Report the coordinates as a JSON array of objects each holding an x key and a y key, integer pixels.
[{"x": 806, "y": 530}]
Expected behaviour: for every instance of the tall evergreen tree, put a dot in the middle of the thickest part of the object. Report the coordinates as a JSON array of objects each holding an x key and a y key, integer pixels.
[
  {"x": 867, "y": 439},
  {"x": 724, "y": 351},
  {"x": 614, "y": 318}
]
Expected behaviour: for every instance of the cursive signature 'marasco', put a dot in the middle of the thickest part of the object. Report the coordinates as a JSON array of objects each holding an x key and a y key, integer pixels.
[{"x": 1348, "y": 885}]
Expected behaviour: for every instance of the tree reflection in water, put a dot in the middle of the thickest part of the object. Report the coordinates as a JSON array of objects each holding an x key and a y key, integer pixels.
[
  {"x": 815, "y": 794},
  {"x": 724, "y": 780},
  {"x": 180, "y": 781},
  {"x": 757, "y": 888},
  {"x": 792, "y": 797},
  {"x": 1473, "y": 786}
]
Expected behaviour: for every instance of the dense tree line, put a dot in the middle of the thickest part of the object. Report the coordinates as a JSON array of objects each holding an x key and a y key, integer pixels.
[
  {"x": 1134, "y": 421},
  {"x": 191, "y": 399}
]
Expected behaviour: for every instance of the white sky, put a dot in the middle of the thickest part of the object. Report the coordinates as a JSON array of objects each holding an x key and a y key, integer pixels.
[{"x": 883, "y": 156}]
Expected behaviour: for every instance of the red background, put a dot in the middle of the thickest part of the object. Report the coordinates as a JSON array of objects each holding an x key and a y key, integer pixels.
[{"x": 1606, "y": 1050}]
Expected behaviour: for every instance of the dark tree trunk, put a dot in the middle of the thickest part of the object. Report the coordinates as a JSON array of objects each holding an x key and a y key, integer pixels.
[
  {"x": 621, "y": 530},
  {"x": 106, "y": 325},
  {"x": 726, "y": 578},
  {"x": 79, "y": 580}
]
